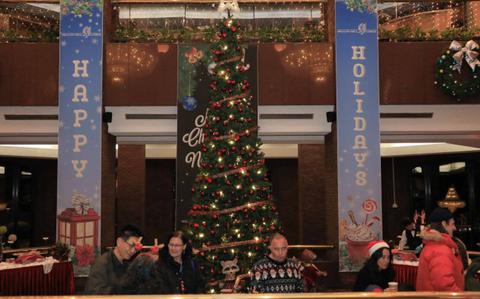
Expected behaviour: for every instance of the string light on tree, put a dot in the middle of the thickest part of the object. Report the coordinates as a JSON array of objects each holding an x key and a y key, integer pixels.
[{"x": 236, "y": 182}]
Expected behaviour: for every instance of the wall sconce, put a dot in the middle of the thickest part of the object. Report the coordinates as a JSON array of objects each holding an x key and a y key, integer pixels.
[
  {"x": 279, "y": 47},
  {"x": 163, "y": 48}
]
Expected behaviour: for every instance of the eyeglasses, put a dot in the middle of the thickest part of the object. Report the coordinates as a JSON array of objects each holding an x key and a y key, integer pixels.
[
  {"x": 131, "y": 245},
  {"x": 175, "y": 245}
]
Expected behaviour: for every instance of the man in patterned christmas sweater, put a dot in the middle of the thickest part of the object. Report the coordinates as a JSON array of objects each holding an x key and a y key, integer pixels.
[{"x": 276, "y": 273}]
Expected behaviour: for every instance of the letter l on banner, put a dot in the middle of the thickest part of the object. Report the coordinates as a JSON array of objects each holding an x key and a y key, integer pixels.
[{"x": 358, "y": 133}]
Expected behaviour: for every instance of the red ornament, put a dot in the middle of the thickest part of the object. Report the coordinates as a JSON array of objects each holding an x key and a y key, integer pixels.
[
  {"x": 195, "y": 225},
  {"x": 209, "y": 180},
  {"x": 233, "y": 28}
]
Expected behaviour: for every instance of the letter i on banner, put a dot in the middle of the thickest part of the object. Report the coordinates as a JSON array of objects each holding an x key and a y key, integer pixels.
[
  {"x": 80, "y": 130},
  {"x": 358, "y": 143}
]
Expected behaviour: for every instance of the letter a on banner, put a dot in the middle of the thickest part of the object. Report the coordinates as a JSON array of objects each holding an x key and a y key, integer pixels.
[
  {"x": 80, "y": 130},
  {"x": 358, "y": 143}
]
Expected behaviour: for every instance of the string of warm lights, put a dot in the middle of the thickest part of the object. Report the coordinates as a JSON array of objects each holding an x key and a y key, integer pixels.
[
  {"x": 195, "y": 209},
  {"x": 235, "y": 136},
  {"x": 233, "y": 212},
  {"x": 231, "y": 244},
  {"x": 437, "y": 20},
  {"x": 233, "y": 99}
]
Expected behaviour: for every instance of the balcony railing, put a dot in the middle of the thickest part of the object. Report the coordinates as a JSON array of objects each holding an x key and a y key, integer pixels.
[
  {"x": 429, "y": 20},
  {"x": 264, "y": 21}
]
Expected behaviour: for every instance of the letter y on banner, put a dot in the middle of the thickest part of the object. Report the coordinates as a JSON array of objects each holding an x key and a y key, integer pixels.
[
  {"x": 358, "y": 141},
  {"x": 80, "y": 130}
]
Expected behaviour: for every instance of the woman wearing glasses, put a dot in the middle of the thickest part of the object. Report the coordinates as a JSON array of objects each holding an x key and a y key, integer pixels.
[{"x": 181, "y": 273}]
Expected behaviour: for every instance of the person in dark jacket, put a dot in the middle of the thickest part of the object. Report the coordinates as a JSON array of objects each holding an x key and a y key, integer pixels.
[
  {"x": 176, "y": 263},
  {"x": 377, "y": 271},
  {"x": 143, "y": 276},
  {"x": 108, "y": 270}
]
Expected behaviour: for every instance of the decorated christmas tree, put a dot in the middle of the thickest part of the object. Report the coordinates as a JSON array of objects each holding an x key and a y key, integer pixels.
[{"x": 232, "y": 214}]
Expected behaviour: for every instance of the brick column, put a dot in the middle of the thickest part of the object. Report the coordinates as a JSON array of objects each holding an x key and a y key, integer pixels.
[
  {"x": 131, "y": 186},
  {"x": 108, "y": 229},
  {"x": 311, "y": 190}
]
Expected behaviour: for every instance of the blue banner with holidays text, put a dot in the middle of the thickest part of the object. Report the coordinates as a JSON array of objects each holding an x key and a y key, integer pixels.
[
  {"x": 358, "y": 141},
  {"x": 80, "y": 130}
]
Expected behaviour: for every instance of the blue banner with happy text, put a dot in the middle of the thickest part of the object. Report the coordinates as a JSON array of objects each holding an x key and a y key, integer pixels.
[
  {"x": 358, "y": 133},
  {"x": 80, "y": 130}
]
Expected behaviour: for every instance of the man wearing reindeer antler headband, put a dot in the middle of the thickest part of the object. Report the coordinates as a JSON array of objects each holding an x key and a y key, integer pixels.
[{"x": 111, "y": 266}]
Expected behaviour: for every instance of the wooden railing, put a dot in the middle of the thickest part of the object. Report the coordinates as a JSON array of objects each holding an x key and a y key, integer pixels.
[{"x": 411, "y": 295}]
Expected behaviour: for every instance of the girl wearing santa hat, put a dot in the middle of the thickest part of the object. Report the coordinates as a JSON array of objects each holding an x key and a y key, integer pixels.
[{"x": 377, "y": 271}]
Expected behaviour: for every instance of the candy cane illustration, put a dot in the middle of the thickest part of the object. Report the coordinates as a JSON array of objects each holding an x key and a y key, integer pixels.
[{"x": 369, "y": 206}]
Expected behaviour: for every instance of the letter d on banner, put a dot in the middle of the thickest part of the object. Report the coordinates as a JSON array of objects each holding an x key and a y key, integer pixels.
[{"x": 358, "y": 133}]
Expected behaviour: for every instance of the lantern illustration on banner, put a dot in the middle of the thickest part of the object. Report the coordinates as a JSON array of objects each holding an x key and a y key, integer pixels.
[{"x": 78, "y": 226}]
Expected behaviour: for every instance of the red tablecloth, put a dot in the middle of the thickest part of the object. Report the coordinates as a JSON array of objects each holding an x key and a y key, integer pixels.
[
  {"x": 32, "y": 280},
  {"x": 406, "y": 274}
]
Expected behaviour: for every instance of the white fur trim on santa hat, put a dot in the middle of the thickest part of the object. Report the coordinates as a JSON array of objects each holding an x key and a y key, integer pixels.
[{"x": 377, "y": 246}]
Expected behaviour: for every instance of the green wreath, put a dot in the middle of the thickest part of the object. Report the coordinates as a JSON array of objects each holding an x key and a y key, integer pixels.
[{"x": 450, "y": 84}]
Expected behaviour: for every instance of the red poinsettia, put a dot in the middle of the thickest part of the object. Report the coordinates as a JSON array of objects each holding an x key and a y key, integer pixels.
[{"x": 85, "y": 255}]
